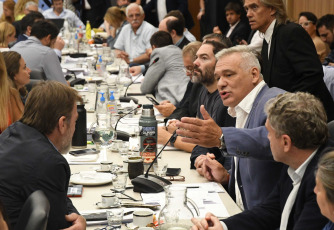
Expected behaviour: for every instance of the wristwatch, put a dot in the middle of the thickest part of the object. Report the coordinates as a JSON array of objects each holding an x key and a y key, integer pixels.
[
  {"x": 222, "y": 142},
  {"x": 172, "y": 140}
]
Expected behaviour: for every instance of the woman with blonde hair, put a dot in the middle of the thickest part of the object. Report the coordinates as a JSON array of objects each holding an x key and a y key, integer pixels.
[
  {"x": 116, "y": 18},
  {"x": 8, "y": 11},
  {"x": 7, "y": 35},
  {"x": 11, "y": 106},
  {"x": 20, "y": 7},
  {"x": 18, "y": 73}
]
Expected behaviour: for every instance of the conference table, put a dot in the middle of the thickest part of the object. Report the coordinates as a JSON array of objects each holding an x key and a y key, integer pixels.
[{"x": 176, "y": 159}]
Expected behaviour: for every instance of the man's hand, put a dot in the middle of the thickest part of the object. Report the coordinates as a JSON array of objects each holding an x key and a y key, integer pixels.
[
  {"x": 166, "y": 109},
  {"x": 135, "y": 70},
  {"x": 78, "y": 222},
  {"x": 124, "y": 55},
  {"x": 149, "y": 52},
  {"x": 59, "y": 44},
  {"x": 216, "y": 30},
  {"x": 199, "y": 162},
  {"x": 205, "y": 132},
  {"x": 214, "y": 171},
  {"x": 210, "y": 222},
  {"x": 199, "y": 15},
  {"x": 163, "y": 135}
]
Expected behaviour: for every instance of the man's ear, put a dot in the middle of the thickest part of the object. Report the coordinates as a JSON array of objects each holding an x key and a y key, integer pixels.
[
  {"x": 28, "y": 31},
  {"x": 287, "y": 143},
  {"x": 173, "y": 33},
  {"x": 62, "y": 124},
  {"x": 255, "y": 75}
]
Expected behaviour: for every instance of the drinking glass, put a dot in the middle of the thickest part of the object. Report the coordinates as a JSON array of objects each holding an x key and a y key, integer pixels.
[
  {"x": 120, "y": 182},
  {"x": 115, "y": 217}
]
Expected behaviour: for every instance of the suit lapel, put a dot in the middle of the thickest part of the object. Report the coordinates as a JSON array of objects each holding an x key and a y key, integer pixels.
[{"x": 271, "y": 53}]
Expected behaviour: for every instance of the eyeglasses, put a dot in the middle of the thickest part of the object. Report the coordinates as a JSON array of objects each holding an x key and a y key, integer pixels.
[
  {"x": 175, "y": 178},
  {"x": 303, "y": 24}
]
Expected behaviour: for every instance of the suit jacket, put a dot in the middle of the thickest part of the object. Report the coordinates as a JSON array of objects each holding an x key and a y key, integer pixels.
[
  {"x": 257, "y": 170},
  {"x": 29, "y": 162},
  {"x": 183, "y": 43},
  {"x": 294, "y": 64},
  {"x": 305, "y": 213},
  {"x": 166, "y": 77},
  {"x": 21, "y": 37},
  {"x": 240, "y": 32},
  {"x": 181, "y": 5}
]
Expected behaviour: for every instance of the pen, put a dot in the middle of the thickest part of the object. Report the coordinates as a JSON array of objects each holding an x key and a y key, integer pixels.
[{"x": 192, "y": 186}]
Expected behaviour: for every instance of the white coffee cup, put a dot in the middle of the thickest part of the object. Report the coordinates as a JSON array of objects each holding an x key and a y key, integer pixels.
[
  {"x": 142, "y": 218},
  {"x": 109, "y": 199},
  {"x": 106, "y": 165}
]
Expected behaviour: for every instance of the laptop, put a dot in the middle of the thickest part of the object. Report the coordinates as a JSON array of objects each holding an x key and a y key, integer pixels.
[{"x": 59, "y": 22}]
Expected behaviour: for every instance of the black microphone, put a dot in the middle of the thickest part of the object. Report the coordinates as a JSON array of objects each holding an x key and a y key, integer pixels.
[
  {"x": 121, "y": 135},
  {"x": 148, "y": 183},
  {"x": 125, "y": 98}
]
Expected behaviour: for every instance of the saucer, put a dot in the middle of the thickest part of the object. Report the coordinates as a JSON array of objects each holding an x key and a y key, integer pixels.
[
  {"x": 131, "y": 226},
  {"x": 99, "y": 205}
]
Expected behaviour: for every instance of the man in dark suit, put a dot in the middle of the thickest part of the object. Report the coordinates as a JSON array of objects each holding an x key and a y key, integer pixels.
[
  {"x": 298, "y": 135},
  {"x": 290, "y": 61},
  {"x": 254, "y": 173},
  {"x": 181, "y": 5}
]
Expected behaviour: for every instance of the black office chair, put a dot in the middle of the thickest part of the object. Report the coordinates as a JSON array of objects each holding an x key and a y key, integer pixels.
[
  {"x": 330, "y": 126},
  {"x": 35, "y": 212},
  {"x": 36, "y": 76}
]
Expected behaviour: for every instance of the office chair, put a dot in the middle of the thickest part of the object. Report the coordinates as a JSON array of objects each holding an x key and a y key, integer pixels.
[
  {"x": 330, "y": 126},
  {"x": 35, "y": 212},
  {"x": 36, "y": 77}
]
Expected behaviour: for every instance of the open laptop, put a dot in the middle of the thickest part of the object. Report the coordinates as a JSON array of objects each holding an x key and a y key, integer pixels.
[{"x": 58, "y": 21}]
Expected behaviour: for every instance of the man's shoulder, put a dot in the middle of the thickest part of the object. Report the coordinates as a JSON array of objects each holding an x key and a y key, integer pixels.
[
  {"x": 168, "y": 49},
  {"x": 288, "y": 28},
  {"x": 48, "y": 11}
]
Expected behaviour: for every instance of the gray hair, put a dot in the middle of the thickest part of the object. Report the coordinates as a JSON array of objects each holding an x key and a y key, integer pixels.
[
  {"x": 278, "y": 5},
  {"x": 132, "y": 5},
  {"x": 301, "y": 116},
  {"x": 325, "y": 174},
  {"x": 30, "y": 3},
  {"x": 249, "y": 57}
]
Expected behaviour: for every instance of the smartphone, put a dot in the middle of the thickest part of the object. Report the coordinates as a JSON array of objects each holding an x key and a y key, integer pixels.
[
  {"x": 83, "y": 152},
  {"x": 173, "y": 171},
  {"x": 153, "y": 100},
  {"x": 74, "y": 191}
]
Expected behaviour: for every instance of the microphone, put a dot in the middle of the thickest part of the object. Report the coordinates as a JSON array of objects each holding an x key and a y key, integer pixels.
[
  {"x": 148, "y": 183},
  {"x": 121, "y": 135},
  {"x": 125, "y": 98}
]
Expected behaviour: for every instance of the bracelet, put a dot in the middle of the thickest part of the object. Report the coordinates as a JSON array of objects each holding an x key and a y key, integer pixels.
[{"x": 201, "y": 10}]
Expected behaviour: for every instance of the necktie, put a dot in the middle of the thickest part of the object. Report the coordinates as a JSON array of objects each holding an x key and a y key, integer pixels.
[{"x": 265, "y": 61}]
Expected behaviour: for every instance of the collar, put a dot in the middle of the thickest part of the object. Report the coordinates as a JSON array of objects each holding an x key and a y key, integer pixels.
[
  {"x": 269, "y": 32},
  {"x": 60, "y": 12},
  {"x": 297, "y": 175},
  {"x": 53, "y": 145},
  {"x": 34, "y": 39},
  {"x": 232, "y": 27},
  {"x": 179, "y": 41},
  {"x": 247, "y": 103},
  {"x": 140, "y": 29}
]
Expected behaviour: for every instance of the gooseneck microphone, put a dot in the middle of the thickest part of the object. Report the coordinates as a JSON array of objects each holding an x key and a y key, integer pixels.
[
  {"x": 125, "y": 98},
  {"x": 137, "y": 107},
  {"x": 148, "y": 183}
]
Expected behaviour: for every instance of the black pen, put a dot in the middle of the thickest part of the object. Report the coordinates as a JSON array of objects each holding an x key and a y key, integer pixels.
[{"x": 192, "y": 186}]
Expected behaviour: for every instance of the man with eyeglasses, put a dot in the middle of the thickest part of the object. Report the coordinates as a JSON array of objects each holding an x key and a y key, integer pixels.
[
  {"x": 134, "y": 38},
  {"x": 325, "y": 27},
  {"x": 290, "y": 61}
]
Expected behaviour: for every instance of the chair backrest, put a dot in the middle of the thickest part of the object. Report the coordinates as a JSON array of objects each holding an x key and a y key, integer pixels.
[
  {"x": 330, "y": 126},
  {"x": 35, "y": 212},
  {"x": 37, "y": 74}
]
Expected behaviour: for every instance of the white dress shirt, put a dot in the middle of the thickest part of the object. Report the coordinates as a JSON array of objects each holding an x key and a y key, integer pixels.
[
  {"x": 269, "y": 34},
  {"x": 161, "y": 8},
  {"x": 231, "y": 29}
]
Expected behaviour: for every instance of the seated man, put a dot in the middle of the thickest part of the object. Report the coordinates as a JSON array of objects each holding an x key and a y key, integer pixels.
[
  {"x": 134, "y": 38},
  {"x": 58, "y": 11},
  {"x": 298, "y": 134},
  {"x": 175, "y": 27},
  {"x": 241, "y": 87},
  {"x": 37, "y": 53},
  {"x": 165, "y": 78},
  {"x": 30, "y": 155},
  {"x": 26, "y": 25},
  {"x": 325, "y": 28}
]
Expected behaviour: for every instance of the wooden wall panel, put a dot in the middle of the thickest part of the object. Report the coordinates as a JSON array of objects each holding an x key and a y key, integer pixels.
[
  {"x": 193, "y": 6},
  {"x": 318, "y": 7}
]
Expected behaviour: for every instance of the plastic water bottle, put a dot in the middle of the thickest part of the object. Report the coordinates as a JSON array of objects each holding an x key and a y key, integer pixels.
[
  {"x": 100, "y": 66},
  {"x": 112, "y": 105},
  {"x": 88, "y": 31},
  {"x": 101, "y": 105},
  {"x": 148, "y": 134},
  {"x": 67, "y": 33}
]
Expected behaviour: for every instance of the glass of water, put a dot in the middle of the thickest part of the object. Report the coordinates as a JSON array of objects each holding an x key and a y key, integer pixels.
[{"x": 115, "y": 217}]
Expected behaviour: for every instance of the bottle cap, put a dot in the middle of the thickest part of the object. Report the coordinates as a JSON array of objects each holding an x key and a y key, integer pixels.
[
  {"x": 102, "y": 99},
  {"x": 148, "y": 106},
  {"x": 100, "y": 58},
  {"x": 111, "y": 96}
]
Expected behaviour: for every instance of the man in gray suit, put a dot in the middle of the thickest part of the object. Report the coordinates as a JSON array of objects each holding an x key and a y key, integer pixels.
[
  {"x": 241, "y": 87},
  {"x": 165, "y": 78}
]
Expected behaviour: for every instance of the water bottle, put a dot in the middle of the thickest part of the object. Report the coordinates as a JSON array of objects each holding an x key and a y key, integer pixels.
[
  {"x": 100, "y": 67},
  {"x": 101, "y": 105},
  {"x": 148, "y": 134},
  {"x": 111, "y": 105},
  {"x": 79, "y": 139},
  {"x": 88, "y": 31}
]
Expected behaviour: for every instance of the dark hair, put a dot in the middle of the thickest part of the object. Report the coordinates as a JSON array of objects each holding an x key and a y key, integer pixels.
[
  {"x": 310, "y": 16},
  {"x": 236, "y": 7},
  {"x": 56, "y": 0},
  {"x": 222, "y": 39},
  {"x": 49, "y": 101},
  {"x": 43, "y": 28},
  {"x": 161, "y": 39},
  {"x": 326, "y": 20},
  {"x": 217, "y": 46},
  {"x": 178, "y": 14},
  {"x": 30, "y": 19},
  {"x": 175, "y": 24}
]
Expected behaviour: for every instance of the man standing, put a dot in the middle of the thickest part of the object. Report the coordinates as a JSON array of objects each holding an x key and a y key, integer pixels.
[
  {"x": 290, "y": 61},
  {"x": 241, "y": 87},
  {"x": 30, "y": 155},
  {"x": 135, "y": 37},
  {"x": 298, "y": 134},
  {"x": 325, "y": 27},
  {"x": 58, "y": 11},
  {"x": 44, "y": 59}
]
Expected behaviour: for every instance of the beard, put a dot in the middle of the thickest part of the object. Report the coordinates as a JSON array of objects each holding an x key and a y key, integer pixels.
[
  {"x": 206, "y": 78},
  {"x": 66, "y": 143}
]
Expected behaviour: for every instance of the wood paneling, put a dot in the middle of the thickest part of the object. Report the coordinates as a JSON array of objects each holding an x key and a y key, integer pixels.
[
  {"x": 193, "y": 6},
  {"x": 318, "y": 7}
]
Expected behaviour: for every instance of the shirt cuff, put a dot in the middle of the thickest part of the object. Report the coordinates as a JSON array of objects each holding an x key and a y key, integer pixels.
[
  {"x": 58, "y": 52},
  {"x": 224, "y": 225}
]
